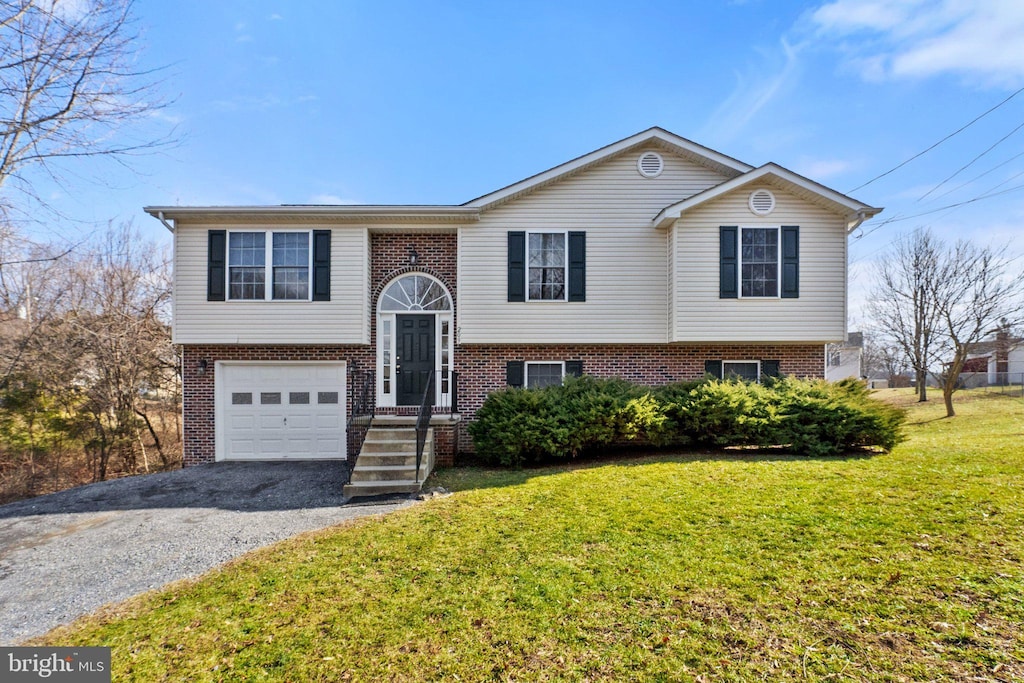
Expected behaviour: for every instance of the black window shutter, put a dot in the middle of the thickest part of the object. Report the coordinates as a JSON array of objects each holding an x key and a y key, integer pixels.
[
  {"x": 321, "y": 265},
  {"x": 514, "y": 373},
  {"x": 216, "y": 264},
  {"x": 574, "y": 368},
  {"x": 728, "y": 263},
  {"x": 770, "y": 368},
  {"x": 517, "y": 266},
  {"x": 577, "y": 266},
  {"x": 790, "y": 262},
  {"x": 714, "y": 368}
]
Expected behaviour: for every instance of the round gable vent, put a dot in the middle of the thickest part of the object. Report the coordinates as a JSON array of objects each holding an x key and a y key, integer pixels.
[
  {"x": 762, "y": 202},
  {"x": 650, "y": 164}
]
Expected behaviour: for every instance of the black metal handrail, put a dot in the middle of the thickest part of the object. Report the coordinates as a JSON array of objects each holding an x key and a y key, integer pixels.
[
  {"x": 423, "y": 421},
  {"x": 363, "y": 396}
]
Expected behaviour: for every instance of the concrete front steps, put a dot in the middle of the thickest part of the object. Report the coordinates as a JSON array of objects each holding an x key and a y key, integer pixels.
[{"x": 387, "y": 461}]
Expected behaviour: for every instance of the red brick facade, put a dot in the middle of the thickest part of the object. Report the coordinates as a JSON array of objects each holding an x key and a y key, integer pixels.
[
  {"x": 198, "y": 384},
  {"x": 481, "y": 368}
]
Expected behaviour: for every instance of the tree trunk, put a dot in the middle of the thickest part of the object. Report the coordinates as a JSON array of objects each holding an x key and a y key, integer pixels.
[{"x": 922, "y": 386}]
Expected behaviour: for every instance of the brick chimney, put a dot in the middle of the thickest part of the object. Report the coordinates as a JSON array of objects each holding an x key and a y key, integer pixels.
[{"x": 1002, "y": 350}]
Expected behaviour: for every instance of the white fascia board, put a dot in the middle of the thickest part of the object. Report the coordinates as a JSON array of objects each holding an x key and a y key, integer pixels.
[
  {"x": 651, "y": 134},
  {"x": 854, "y": 208},
  {"x": 429, "y": 213}
]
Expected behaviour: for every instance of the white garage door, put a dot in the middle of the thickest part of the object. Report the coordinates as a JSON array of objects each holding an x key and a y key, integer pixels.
[{"x": 274, "y": 411}]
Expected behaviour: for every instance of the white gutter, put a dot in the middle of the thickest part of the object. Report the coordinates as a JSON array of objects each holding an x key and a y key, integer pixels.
[
  {"x": 160, "y": 217},
  {"x": 855, "y": 221}
]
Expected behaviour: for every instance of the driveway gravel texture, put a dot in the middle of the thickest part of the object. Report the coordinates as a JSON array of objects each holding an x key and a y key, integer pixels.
[{"x": 65, "y": 554}]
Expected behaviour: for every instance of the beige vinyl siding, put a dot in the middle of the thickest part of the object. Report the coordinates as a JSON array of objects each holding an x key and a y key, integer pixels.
[
  {"x": 627, "y": 268},
  {"x": 342, "y": 320},
  {"x": 818, "y": 315}
]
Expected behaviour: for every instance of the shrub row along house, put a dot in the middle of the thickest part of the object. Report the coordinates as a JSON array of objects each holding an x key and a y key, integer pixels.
[{"x": 654, "y": 259}]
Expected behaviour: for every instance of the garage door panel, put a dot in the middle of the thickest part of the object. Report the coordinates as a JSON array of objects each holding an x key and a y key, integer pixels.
[
  {"x": 281, "y": 410},
  {"x": 296, "y": 421},
  {"x": 328, "y": 421},
  {"x": 243, "y": 446},
  {"x": 328, "y": 445},
  {"x": 243, "y": 423}
]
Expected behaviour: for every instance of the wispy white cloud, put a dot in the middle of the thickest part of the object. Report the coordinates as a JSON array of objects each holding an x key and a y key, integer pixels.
[
  {"x": 324, "y": 198},
  {"x": 167, "y": 117},
  {"x": 242, "y": 32},
  {"x": 893, "y": 39},
  {"x": 821, "y": 169},
  {"x": 275, "y": 17},
  {"x": 753, "y": 91},
  {"x": 262, "y": 102}
]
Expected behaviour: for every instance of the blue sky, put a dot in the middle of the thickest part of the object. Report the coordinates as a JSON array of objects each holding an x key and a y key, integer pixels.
[{"x": 389, "y": 102}]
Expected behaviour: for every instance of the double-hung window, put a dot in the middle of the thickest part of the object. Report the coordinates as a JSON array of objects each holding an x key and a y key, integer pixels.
[
  {"x": 745, "y": 370},
  {"x": 756, "y": 262},
  {"x": 540, "y": 375},
  {"x": 280, "y": 259},
  {"x": 759, "y": 262},
  {"x": 546, "y": 259},
  {"x": 748, "y": 371}
]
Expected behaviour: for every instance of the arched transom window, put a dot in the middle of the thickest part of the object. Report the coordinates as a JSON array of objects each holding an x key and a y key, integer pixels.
[{"x": 415, "y": 293}]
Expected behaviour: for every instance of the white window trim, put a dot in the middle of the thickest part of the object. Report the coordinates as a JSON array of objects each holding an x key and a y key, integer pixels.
[
  {"x": 526, "y": 369},
  {"x": 268, "y": 265},
  {"x": 389, "y": 399},
  {"x": 778, "y": 261},
  {"x": 725, "y": 362},
  {"x": 565, "y": 266}
]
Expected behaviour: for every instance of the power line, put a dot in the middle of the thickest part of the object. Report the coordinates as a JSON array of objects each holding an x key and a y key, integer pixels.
[
  {"x": 950, "y": 207},
  {"x": 958, "y": 204},
  {"x": 981, "y": 175},
  {"x": 923, "y": 152},
  {"x": 969, "y": 163}
]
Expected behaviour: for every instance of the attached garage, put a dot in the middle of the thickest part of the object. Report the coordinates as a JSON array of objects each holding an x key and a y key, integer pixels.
[{"x": 280, "y": 410}]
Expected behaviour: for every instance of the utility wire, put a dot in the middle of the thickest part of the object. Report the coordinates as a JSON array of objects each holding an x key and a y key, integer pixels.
[
  {"x": 981, "y": 175},
  {"x": 989, "y": 195},
  {"x": 969, "y": 163},
  {"x": 954, "y": 133},
  {"x": 950, "y": 207}
]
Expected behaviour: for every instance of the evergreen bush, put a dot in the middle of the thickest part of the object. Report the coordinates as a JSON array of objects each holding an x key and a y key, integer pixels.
[{"x": 808, "y": 417}]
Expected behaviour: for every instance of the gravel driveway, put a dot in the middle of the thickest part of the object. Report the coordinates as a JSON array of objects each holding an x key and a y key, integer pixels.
[{"x": 65, "y": 554}]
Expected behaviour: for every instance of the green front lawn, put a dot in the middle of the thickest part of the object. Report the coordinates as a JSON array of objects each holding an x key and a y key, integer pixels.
[{"x": 722, "y": 566}]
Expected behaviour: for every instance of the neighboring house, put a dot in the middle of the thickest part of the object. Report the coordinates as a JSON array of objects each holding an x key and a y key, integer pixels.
[
  {"x": 843, "y": 360},
  {"x": 653, "y": 259},
  {"x": 1000, "y": 359}
]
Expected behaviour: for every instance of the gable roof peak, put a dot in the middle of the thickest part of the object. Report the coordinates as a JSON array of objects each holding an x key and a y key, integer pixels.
[{"x": 680, "y": 145}]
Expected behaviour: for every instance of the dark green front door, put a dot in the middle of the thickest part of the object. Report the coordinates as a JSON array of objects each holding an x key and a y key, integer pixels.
[{"x": 414, "y": 357}]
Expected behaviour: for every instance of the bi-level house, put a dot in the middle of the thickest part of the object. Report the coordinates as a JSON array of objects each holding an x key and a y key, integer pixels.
[{"x": 654, "y": 259}]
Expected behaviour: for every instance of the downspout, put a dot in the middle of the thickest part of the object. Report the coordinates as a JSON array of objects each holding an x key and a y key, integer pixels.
[
  {"x": 160, "y": 217},
  {"x": 851, "y": 223}
]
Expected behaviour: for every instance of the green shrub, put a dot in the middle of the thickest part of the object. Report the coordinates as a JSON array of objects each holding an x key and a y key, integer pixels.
[
  {"x": 809, "y": 417},
  {"x": 820, "y": 418},
  {"x": 519, "y": 426},
  {"x": 717, "y": 413}
]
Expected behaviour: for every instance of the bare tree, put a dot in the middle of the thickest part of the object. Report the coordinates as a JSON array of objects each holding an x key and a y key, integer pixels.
[
  {"x": 975, "y": 294},
  {"x": 119, "y": 329},
  {"x": 69, "y": 84},
  {"x": 880, "y": 357},
  {"x": 903, "y": 304},
  {"x": 88, "y": 383}
]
